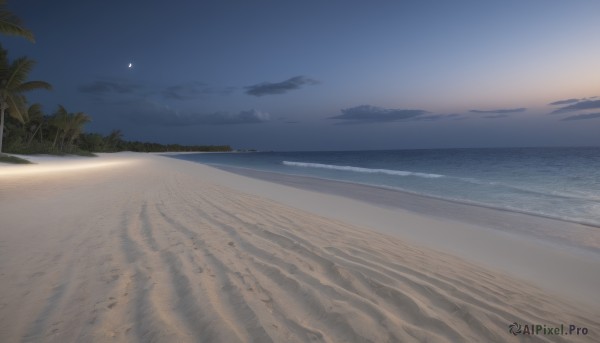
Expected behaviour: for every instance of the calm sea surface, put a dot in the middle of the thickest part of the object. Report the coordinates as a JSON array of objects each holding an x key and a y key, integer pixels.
[{"x": 561, "y": 183}]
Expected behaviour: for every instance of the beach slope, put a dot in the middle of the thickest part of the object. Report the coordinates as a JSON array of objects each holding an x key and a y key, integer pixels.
[{"x": 133, "y": 247}]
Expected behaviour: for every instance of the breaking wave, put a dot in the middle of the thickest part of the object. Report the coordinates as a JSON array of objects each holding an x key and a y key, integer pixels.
[{"x": 360, "y": 169}]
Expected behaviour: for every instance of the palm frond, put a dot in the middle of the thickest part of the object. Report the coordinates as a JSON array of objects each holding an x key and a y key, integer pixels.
[
  {"x": 61, "y": 111},
  {"x": 33, "y": 85},
  {"x": 18, "y": 71},
  {"x": 16, "y": 106},
  {"x": 82, "y": 118},
  {"x": 4, "y": 64},
  {"x": 12, "y": 25},
  {"x": 37, "y": 108},
  {"x": 60, "y": 119},
  {"x": 35, "y": 111}
]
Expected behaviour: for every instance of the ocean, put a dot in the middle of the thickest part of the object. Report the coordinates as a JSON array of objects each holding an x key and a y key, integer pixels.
[{"x": 560, "y": 183}]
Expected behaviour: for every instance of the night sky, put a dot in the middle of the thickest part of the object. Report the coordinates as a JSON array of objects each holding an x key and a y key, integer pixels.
[{"x": 322, "y": 75}]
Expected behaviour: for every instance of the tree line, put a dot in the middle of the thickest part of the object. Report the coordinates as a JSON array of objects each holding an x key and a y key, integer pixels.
[
  {"x": 62, "y": 133},
  {"x": 26, "y": 129}
]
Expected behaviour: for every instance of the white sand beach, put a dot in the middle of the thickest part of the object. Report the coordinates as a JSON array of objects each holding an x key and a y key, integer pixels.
[{"x": 134, "y": 247}]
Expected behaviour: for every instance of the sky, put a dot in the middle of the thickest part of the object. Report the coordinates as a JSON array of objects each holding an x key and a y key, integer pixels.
[{"x": 322, "y": 75}]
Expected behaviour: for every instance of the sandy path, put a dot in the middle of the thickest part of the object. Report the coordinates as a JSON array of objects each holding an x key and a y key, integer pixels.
[{"x": 145, "y": 251}]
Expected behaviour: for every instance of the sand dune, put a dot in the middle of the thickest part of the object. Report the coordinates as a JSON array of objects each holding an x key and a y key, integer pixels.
[{"x": 149, "y": 249}]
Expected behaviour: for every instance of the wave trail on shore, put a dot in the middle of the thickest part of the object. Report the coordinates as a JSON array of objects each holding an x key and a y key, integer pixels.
[
  {"x": 360, "y": 169},
  {"x": 559, "y": 183}
]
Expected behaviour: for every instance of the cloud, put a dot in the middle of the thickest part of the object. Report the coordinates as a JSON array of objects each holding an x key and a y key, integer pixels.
[
  {"x": 104, "y": 87},
  {"x": 582, "y": 105},
  {"x": 268, "y": 88},
  {"x": 194, "y": 90},
  {"x": 500, "y": 111},
  {"x": 564, "y": 102},
  {"x": 373, "y": 114},
  {"x": 496, "y": 116},
  {"x": 435, "y": 117},
  {"x": 582, "y": 117},
  {"x": 243, "y": 117},
  {"x": 146, "y": 112}
]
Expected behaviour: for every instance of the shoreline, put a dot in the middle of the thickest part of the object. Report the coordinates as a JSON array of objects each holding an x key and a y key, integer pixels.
[
  {"x": 243, "y": 170},
  {"x": 523, "y": 256},
  {"x": 534, "y": 225},
  {"x": 146, "y": 247}
]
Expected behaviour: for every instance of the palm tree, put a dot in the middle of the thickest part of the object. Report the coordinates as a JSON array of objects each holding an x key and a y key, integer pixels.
[
  {"x": 114, "y": 139},
  {"x": 68, "y": 126},
  {"x": 75, "y": 126},
  {"x": 35, "y": 121},
  {"x": 11, "y": 24},
  {"x": 60, "y": 121},
  {"x": 12, "y": 85}
]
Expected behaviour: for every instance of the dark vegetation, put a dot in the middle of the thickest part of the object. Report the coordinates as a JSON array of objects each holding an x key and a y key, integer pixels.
[
  {"x": 26, "y": 129},
  {"x": 13, "y": 159}
]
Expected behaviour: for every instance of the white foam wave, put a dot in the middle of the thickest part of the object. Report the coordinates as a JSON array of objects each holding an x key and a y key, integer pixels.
[{"x": 360, "y": 169}]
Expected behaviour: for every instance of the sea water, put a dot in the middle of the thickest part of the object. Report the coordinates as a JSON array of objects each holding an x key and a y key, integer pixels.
[{"x": 561, "y": 183}]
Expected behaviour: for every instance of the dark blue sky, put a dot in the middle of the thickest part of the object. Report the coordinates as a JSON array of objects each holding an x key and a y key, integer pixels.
[{"x": 321, "y": 75}]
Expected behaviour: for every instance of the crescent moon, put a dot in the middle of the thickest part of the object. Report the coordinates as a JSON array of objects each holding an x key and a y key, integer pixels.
[{"x": 130, "y": 65}]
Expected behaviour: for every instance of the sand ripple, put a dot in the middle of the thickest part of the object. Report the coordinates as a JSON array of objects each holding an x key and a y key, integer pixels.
[{"x": 153, "y": 254}]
